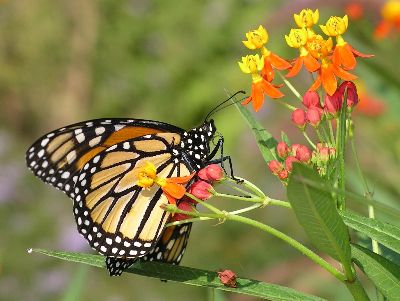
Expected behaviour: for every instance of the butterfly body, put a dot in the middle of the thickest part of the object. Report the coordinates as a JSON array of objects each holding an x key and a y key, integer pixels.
[{"x": 96, "y": 163}]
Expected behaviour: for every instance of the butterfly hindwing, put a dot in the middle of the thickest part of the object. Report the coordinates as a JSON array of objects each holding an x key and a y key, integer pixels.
[
  {"x": 169, "y": 249},
  {"x": 116, "y": 216}
]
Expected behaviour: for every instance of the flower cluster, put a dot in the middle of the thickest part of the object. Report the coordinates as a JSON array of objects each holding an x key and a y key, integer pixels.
[
  {"x": 261, "y": 68},
  {"x": 320, "y": 158},
  {"x": 321, "y": 55},
  {"x": 330, "y": 58},
  {"x": 315, "y": 111},
  {"x": 287, "y": 155},
  {"x": 174, "y": 187},
  {"x": 201, "y": 189}
]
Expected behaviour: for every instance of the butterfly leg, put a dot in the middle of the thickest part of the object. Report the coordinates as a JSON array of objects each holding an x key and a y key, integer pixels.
[{"x": 220, "y": 147}]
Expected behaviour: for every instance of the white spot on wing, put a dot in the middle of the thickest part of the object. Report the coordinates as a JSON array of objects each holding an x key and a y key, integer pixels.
[
  {"x": 44, "y": 142},
  {"x": 100, "y": 130},
  {"x": 80, "y": 137},
  {"x": 95, "y": 141}
]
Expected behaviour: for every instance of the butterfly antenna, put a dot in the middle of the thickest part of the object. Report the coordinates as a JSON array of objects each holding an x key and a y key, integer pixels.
[{"x": 223, "y": 104}]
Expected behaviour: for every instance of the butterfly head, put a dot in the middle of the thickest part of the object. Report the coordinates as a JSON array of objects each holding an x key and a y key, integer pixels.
[{"x": 196, "y": 141}]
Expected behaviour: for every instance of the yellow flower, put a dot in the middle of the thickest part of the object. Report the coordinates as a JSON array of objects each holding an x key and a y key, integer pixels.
[
  {"x": 251, "y": 64},
  {"x": 335, "y": 26},
  {"x": 318, "y": 47},
  {"x": 172, "y": 187},
  {"x": 391, "y": 10},
  {"x": 256, "y": 38},
  {"x": 296, "y": 38},
  {"x": 147, "y": 175},
  {"x": 306, "y": 18}
]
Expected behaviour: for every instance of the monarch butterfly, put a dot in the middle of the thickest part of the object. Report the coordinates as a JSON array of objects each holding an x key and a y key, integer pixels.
[{"x": 96, "y": 164}]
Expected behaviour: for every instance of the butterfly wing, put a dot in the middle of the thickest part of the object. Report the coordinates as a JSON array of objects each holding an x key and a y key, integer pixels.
[
  {"x": 116, "y": 216},
  {"x": 57, "y": 157},
  {"x": 169, "y": 249}
]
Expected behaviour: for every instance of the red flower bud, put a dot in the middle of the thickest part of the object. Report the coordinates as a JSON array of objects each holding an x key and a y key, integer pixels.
[
  {"x": 320, "y": 145},
  {"x": 185, "y": 206},
  {"x": 314, "y": 116},
  {"x": 352, "y": 96},
  {"x": 283, "y": 174},
  {"x": 201, "y": 190},
  {"x": 282, "y": 149},
  {"x": 289, "y": 162},
  {"x": 324, "y": 154},
  {"x": 227, "y": 278},
  {"x": 303, "y": 153},
  {"x": 294, "y": 149},
  {"x": 333, "y": 103},
  {"x": 275, "y": 166},
  {"x": 311, "y": 99},
  {"x": 299, "y": 118},
  {"x": 211, "y": 173}
]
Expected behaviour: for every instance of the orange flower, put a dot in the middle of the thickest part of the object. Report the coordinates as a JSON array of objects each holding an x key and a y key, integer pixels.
[
  {"x": 327, "y": 77},
  {"x": 272, "y": 60},
  {"x": 172, "y": 187},
  {"x": 259, "y": 90},
  {"x": 329, "y": 69},
  {"x": 298, "y": 38},
  {"x": 252, "y": 64},
  {"x": 344, "y": 54}
]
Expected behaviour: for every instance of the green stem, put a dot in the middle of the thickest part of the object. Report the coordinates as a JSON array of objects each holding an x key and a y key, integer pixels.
[
  {"x": 248, "y": 185},
  {"x": 285, "y": 104},
  {"x": 326, "y": 134},
  {"x": 357, "y": 290},
  {"x": 205, "y": 204},
  {"x": 308, "y": 139},
  {"x": 290, "y": 86},
  {"x": 295, "y": 244},
  {"x": 368, "y": 194},
  {"x": 279, "y": 203},
  {"x": 321, "y": 139},
  {"x": 331, "y": 132},
  {"x": 242, "y": 191},
  {"x": 240, "y": 198},
  {"x": 341, "y": 141},
  {"x": 233, "y": 217}
]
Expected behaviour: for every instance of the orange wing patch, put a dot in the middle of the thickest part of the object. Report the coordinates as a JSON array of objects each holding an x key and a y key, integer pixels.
[{"x": 126, "y": 133}]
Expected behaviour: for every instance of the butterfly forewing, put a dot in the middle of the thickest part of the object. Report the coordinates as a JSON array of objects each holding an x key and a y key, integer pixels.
[
  {"x": 58, "y": 156},
  {"x": 116, "y": 216}
]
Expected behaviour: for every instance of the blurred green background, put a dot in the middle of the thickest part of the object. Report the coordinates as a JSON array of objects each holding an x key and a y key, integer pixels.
[{"x": 66, "y": 61}]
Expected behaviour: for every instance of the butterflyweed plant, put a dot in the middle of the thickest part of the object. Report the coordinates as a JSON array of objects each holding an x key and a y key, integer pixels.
[{"x": 313, "y": 173}]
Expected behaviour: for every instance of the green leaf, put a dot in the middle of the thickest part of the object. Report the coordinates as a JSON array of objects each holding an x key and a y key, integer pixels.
[
  {"x": 266, "y": 143},
  {"x": 382, "y": 272},
  {"x": 386, "y": 234},
  {"x": 285, "y": 138},
  {"x": 191, "y": 276},
  {"x": 316, "y": 211}
]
